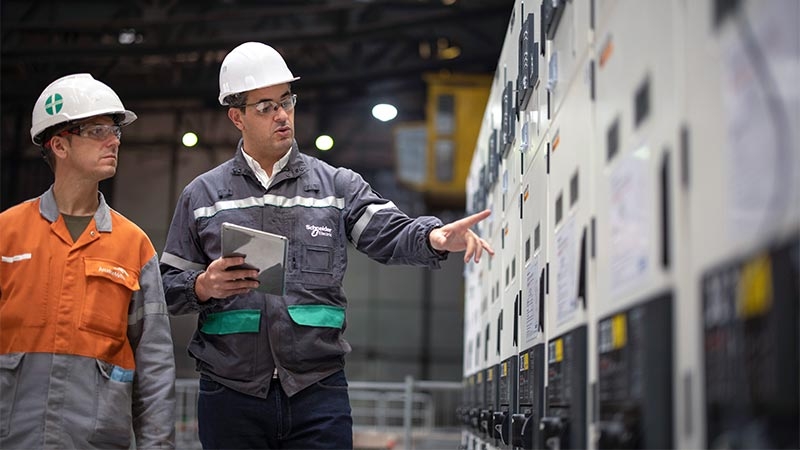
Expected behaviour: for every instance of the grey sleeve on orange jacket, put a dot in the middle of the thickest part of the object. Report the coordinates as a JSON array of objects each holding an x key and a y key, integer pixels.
[{"x": 154, "y": 380}]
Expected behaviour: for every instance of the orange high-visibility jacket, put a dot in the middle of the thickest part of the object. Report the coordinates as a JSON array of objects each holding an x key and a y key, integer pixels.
[{"x": 85, "y": 344}]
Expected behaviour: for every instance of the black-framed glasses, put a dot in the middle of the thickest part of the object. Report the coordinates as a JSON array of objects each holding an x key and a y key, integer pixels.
[
  {"x": 271, "y": 106},
  {"x": 96, "y": 131}
]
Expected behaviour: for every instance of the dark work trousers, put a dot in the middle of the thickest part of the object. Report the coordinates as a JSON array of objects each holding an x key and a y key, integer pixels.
[{"x": 317, "y": 417}]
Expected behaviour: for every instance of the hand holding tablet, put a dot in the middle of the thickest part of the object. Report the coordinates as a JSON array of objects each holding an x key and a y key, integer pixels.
[{"x": 265, "y": 252}]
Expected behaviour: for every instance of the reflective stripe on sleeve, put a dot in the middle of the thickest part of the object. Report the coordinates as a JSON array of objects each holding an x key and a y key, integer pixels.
[
  {"x": 180, "y": 263},
  {"x": 148, "y": 309},
  {"x": 364, "y": 220}
]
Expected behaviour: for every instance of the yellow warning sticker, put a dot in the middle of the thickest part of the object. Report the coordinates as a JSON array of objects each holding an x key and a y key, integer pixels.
[
  {"x": 619, "y": 331},
  {"x": 505, "y": 370},
  {"x": 559, "y": 350},
  {"x": 754, "y": 293},
  {"x": 524, "y": 366}
]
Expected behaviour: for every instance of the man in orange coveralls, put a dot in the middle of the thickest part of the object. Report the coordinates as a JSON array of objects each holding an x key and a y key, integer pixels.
[{"x": 85, "y": 345}]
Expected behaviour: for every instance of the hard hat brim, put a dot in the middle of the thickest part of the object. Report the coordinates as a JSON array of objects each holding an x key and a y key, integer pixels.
[
  {"x": 128, "y": 117},
  {"x": 224, "y": 95}
]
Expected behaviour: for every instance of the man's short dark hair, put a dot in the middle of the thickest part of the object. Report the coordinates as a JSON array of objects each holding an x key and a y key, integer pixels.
[{"x": 237, "y": 100}]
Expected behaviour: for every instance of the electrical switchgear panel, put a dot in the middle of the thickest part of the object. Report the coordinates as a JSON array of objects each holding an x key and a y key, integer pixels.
[
  {"x": 564, "y": 425},
  {"x": 635, "y": 377},
  {"x": 525, "y": 424},
  {"x": 480, "y": 398},
  {"x": 645, "y": 344},
  {"x": 490, "y": 403},
  {"x": 750, "y": 325},
  {"x": 507, "y": 392}
]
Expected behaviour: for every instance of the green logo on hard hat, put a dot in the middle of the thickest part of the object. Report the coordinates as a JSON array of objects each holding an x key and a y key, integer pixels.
[{"x": 53, "y": 104}]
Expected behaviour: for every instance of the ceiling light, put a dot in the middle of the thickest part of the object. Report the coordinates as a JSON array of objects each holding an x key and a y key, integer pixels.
[
  {"x": 384, "y": 112},
  {"x": 446, "y": 49},
  {"x": 127, "y": 36},
  {"x": 424, "y": 50},
  {"x": 189, "y": 139},
  {"x": 451, "y": 52},
  {"x": 324, "y": 142}
]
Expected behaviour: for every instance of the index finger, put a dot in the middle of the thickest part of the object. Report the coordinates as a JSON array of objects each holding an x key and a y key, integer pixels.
[
  {"x": 225, "y": 262},
  {"x": 469, "y": 221}
]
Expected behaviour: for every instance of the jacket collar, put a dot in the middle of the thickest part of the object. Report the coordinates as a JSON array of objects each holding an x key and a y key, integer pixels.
[
  {"x": 295, "y": 167},
  {"x": 49, "y": 210}
]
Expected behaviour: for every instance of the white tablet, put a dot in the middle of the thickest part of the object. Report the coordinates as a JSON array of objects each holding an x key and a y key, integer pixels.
[{"x": 265, "y": 252}]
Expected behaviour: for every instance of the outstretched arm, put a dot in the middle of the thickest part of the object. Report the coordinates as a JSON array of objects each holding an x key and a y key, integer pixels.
[{"x": 457, "y": 237}]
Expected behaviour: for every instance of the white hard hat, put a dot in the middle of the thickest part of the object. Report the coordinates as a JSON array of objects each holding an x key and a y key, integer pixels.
[
  {"x": 75, "y": 97},
  {"x": 249, "y": 66}
]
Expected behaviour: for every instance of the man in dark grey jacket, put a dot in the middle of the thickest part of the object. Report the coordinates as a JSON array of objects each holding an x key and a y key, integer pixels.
[{"x": 272, "y": 367}]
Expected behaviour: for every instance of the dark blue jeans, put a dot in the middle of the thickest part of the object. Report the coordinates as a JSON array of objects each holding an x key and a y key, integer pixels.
[{"x": 317, "y": 417}]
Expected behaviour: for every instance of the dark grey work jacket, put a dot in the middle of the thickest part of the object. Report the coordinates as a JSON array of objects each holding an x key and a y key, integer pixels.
[{"x": 241, "y": 340}]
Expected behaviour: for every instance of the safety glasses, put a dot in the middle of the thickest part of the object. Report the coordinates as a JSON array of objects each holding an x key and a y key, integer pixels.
[
  {"x": 98, "y": 132},
  {"x": 271, "y": 106}
]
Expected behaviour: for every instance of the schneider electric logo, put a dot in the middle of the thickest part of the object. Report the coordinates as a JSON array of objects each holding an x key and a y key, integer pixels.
[{"x": 319, "y": 231}]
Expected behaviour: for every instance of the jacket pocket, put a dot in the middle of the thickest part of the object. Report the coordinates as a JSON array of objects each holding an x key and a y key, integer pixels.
[
  {"x": 9, "y": 365},
  {"x": 317, "y": 315},
  {"x": 109, "y": 287},
  {"x": 316, "y": 338},
  {"x": 113, "y": 418},
  {"x": 227, "y": 344},
  {"x": 318, "y": 265}
]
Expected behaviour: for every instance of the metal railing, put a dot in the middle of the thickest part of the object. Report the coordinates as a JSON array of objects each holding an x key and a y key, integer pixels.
[
  {"x": 409, "y": 408},
  {"x": 186, "y": 393}
]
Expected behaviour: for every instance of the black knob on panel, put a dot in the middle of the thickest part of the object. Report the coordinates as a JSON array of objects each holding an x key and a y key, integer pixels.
[
  {"x": 616, "y": 435},
  {"x": 497, "y": 424},
  {"x": 522, "y": 429},
  {"x": 554, "y": 432},
  {"x": 474, "y": 418},
  {"x": 486, "y": 421}
]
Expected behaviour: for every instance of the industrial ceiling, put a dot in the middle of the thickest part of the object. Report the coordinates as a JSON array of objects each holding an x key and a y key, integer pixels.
[
  {"x": 172, "y": 49},
  {"x": 164, "y": 55}
]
